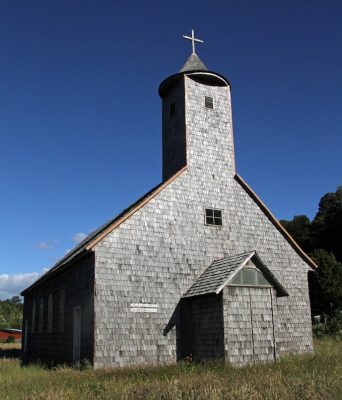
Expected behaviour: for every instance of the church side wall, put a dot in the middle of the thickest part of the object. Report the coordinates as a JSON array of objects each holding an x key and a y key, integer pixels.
[{"x": 56, "y": 346}]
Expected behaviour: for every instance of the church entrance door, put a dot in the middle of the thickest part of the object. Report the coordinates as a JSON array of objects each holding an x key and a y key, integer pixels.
[{"x": 250, "y": 333}]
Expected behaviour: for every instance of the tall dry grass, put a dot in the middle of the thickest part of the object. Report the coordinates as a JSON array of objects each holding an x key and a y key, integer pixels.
[{"x": 317, "y": 377}]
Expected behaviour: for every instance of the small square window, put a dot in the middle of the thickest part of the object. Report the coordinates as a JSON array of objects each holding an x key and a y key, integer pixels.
[
  {"x": 172, "y": 108},
  {"x": 213, "y": 216},
  {"x": 209, "y": 102}
]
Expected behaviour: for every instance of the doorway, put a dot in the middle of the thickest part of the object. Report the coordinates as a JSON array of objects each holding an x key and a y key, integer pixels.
[{"x": 250, "y": 327}]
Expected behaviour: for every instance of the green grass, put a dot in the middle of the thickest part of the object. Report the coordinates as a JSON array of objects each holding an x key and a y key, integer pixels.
[{"x": 317, "y": 377}]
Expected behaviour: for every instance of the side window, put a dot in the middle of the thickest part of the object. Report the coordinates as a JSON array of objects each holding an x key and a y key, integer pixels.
[
  {"x": 50, "y": 314},
  {"x": 41, "y": 315},
  {"x": 61, "y": 310},
  {"x": 33, "y": 317}
]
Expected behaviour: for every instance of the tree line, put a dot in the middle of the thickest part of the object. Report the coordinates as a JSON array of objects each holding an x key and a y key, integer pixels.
[
  {"x": 321, "y": 238},
  {"x": 11, "y": 313}
]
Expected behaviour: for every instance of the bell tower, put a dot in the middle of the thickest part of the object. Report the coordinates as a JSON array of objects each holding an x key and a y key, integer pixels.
[{"x": 197, "y": 120}]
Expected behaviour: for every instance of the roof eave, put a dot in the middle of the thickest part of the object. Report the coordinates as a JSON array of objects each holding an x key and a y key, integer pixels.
[
  {"x": 235, "y": 272},
  {"x": 168, "y": 80},
  {"x": 276, "y": 223},
  {"x": 89, "y": 245},
  {"x": 110, "y": 228},
  {"x": 53, "y": 272},
  {"x": 281, "y": 291}
]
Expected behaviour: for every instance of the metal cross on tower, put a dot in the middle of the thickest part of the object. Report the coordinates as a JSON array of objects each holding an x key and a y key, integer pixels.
[{"x": 193, "y": 39}]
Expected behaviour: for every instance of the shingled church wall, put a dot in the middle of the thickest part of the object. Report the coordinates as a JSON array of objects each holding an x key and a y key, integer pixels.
[{"x": 56, "y": 346}]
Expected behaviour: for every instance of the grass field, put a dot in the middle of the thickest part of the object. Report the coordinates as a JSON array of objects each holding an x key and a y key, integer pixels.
[{"x": 303, "y": 377}]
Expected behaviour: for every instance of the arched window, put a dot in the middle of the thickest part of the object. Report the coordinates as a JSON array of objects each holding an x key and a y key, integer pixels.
[
  {"x": 61, "y": 310},
  {"x": 50, "y": 314},
  {"x": 33, "y": 317},
  {"x": 41, "y": 315}
]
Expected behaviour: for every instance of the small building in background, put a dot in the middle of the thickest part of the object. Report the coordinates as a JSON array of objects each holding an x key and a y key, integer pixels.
[{"x": 5, "y": 333}]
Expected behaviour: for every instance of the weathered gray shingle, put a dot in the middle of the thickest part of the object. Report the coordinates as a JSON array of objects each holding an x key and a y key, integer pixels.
[{"x": 193, "y": 63}]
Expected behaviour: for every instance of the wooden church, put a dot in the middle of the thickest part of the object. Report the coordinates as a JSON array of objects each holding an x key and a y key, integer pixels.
[{"x": 197, "y": 267}]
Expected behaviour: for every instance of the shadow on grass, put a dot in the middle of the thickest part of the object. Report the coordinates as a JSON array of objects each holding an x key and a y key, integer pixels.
[{"x": 10, "y": 353}]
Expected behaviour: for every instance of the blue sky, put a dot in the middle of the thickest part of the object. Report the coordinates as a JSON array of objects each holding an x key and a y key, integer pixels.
[{"x": 80, "y": 117}]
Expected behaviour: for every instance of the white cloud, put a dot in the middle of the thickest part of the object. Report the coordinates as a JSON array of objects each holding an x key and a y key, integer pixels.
[
  {"x": 47, "y": 245},
  {"x": 78, "y": 237},
  {"x": 12, "y": 285},
  {"x": 7, "y": 295}
]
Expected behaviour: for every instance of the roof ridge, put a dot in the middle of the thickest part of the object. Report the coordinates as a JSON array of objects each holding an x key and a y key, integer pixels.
[{"x": 236, "y": 255}]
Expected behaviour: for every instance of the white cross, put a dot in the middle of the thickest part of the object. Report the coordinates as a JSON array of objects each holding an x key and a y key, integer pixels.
[{"x": 192, "y": 38}]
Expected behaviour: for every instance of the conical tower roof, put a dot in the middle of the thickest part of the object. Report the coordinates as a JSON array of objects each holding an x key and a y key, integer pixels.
[
  {"x": 193, "y": 63},
  {"x": 193, "y": 66}
]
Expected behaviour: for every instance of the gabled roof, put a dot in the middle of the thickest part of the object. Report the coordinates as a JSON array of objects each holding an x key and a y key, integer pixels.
[
  {"x": 219, "y": 273},
  {"x": 93, "y": 238},
  {"x": 275, "y": 222},
  {"x": 193, "y": 63}
]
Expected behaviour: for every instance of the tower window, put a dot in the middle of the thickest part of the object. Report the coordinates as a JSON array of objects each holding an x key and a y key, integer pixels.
[
  {"x": 209, "y": 102},
  {"x": 172, "y": 108},
  {"x": 213, "y": 217}
]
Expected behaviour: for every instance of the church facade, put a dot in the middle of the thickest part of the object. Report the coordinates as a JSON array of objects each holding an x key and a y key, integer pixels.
[{"x": 198, "y": 267}]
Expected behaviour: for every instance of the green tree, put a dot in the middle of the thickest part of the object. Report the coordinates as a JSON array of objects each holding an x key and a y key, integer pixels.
[
  {"x": 325, "y": 284},
  {"x": 327, "y": 224},
  {"x": 322, "y": 240},
  {"x": 11, "y": 312},
  {"x": 300, "y": 228}
]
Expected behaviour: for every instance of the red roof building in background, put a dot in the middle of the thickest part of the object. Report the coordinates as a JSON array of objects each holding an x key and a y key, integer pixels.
[{"x": 6, "y": 332}]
